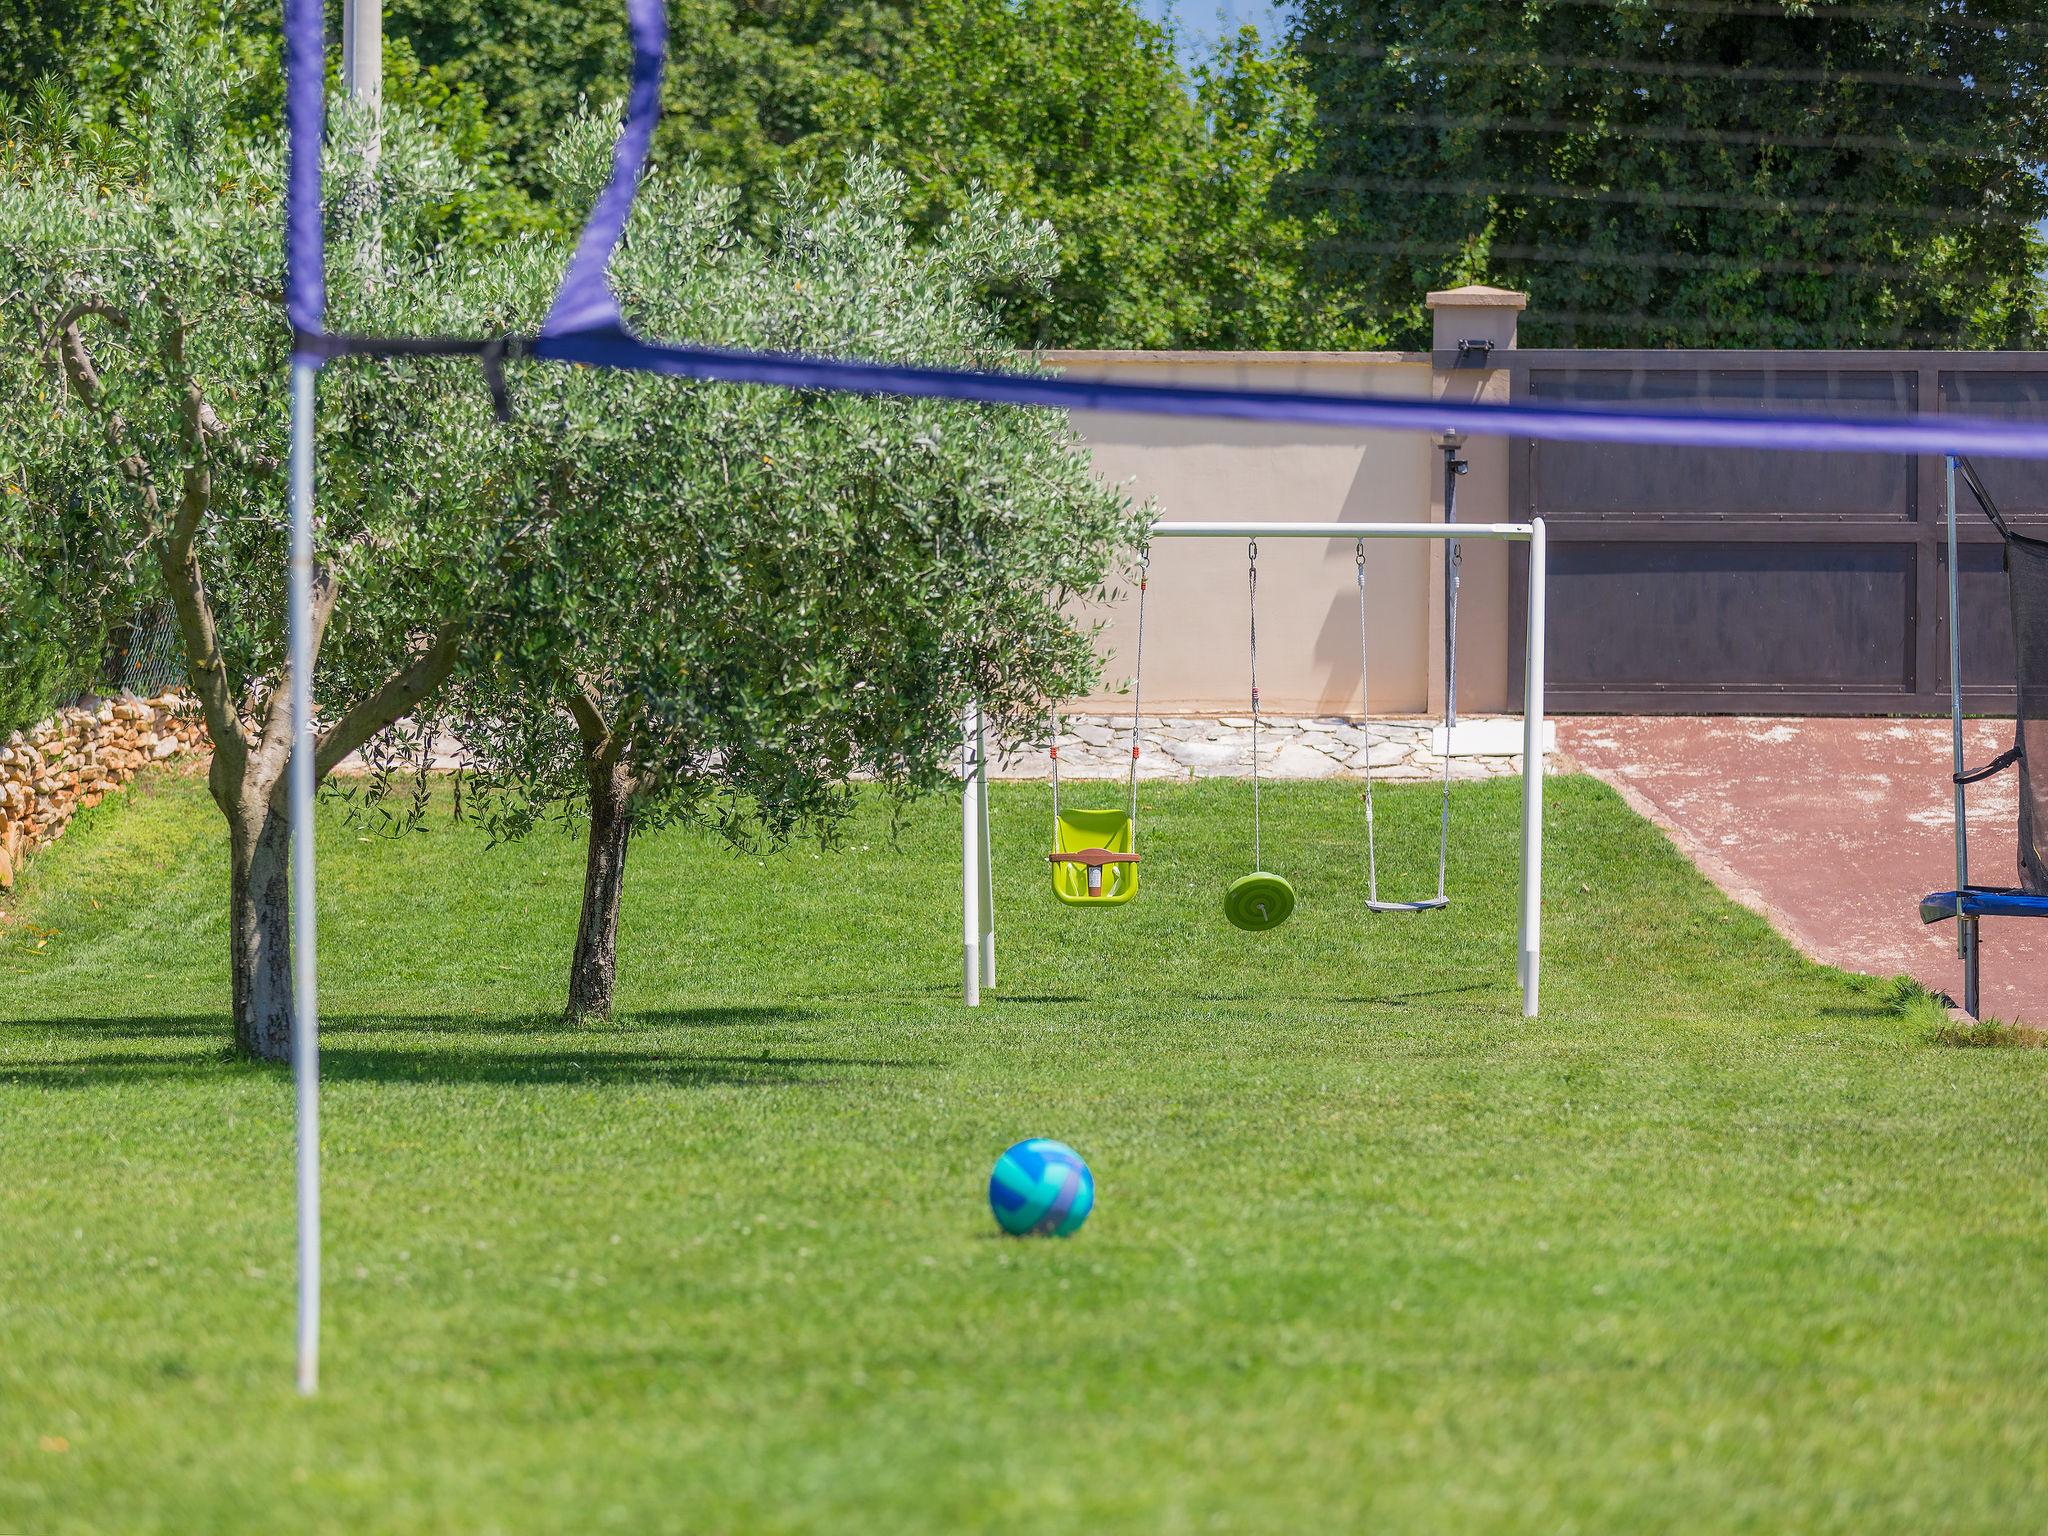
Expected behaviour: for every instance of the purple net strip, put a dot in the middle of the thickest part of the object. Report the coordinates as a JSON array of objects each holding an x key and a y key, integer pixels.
[
  {"x": 1570, "y": 424},
  {"x": 305, "y": 69},
  {"x": 585, "y": 301}
]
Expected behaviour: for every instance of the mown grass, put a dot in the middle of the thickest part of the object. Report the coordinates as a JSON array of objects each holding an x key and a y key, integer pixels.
[{"x": 1724, "y": 1242}]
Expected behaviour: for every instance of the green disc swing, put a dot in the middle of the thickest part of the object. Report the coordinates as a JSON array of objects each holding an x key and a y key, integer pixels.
[
  {"x": 1259, "y": 900},
  {"x": 1095, "y": 852}
]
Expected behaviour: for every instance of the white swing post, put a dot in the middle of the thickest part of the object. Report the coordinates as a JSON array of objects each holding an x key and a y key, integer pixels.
[
  {"x": 986, "y": 893},
  {"x": 1529, "y": 960},
  {"x": 305, "y": 916},
  {"x": 976, "y": 903},
  {"x": 970, "y": 861}
]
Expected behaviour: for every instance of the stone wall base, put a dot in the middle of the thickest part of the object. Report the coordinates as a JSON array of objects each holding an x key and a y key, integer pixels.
[
  {"x": 1326, "y": 747},
  {"x": 76, "y": 758}
]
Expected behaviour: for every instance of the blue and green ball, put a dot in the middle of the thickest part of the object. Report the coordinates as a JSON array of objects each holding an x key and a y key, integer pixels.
[{"x": 1041, "y": 1186}]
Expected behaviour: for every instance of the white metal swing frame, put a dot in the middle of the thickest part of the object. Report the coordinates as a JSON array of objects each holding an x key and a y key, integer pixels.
[{"x": 977, "y": 905}]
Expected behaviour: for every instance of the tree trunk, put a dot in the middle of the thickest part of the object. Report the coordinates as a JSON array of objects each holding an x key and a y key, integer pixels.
[
  {"x": 596, "y": 964},
  {"x": 260, "y": 929}
]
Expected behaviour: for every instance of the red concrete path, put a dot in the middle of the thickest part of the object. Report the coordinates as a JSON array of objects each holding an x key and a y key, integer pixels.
[{"x": 1834, "y": 829}]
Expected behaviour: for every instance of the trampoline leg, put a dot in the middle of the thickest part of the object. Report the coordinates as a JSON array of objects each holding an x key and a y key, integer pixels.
[{"x": 1968, "y": 926}]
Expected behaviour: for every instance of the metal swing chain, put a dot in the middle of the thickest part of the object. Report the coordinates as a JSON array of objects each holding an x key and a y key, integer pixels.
[
  {"x": 1443, "y": 842},
  {"x": 1055, "y": 755},
  {"x": 1252, "y": 590},
  {"x": 1138, "y": 691},
  {"x": 1372, "y": 861},
  {"x": 1443, "y": 836}
]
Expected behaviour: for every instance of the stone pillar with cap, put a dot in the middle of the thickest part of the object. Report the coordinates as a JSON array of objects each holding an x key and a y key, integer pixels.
[{"x": 1472, "y": 327}]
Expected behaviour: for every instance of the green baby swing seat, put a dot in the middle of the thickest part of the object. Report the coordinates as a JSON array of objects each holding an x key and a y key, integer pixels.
[{"x": 1093, "y": 864}]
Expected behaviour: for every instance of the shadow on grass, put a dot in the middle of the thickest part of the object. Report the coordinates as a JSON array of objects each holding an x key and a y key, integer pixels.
[
  {"x": 1372, "y": 999},
  {"x": 574, "y": 1053},
  {"x": 199, "y": 1025},
  {"x": 345, "y": 1064},
  {"x": 181, "y": 1026}
]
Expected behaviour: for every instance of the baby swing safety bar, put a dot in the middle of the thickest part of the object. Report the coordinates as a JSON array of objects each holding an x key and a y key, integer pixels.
[{"x": 977, "y": 905}]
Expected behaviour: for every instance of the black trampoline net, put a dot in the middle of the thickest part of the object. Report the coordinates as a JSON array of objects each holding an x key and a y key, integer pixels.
[{"x": 2026, "y": 567}]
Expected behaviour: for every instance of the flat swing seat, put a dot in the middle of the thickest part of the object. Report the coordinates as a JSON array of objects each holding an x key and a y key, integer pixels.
[
  {"x": 1981, "y": 901},
  {"x": 1093, "y": 863},
  {"x": 1432, "y": 904}
]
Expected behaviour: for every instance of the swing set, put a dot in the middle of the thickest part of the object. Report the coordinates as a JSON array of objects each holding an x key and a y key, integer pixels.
[{"x": 1094, "y": 859}]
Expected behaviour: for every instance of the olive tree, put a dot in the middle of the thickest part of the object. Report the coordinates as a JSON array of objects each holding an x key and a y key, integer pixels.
[
  {"x": 143, "y": 356},
  {"x": 743, "y": 598}
]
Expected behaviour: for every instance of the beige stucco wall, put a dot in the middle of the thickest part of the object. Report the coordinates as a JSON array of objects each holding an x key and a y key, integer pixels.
[{"x": 1223, "y": 471}]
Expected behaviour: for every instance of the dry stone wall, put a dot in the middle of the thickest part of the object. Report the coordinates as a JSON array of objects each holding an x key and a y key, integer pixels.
[
  {"x": 76, "y": 758},
  {"x": 1180, "y": 747}
]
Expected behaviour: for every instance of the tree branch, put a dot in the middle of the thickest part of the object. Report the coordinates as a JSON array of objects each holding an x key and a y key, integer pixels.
[
  {"x": 84, "y": 380},
  {"x": 275, "y": 738},
  {"x": 395, "y": 698},
  {"x": 175, "y": 562},
  {"x": 83, "y": 309},
  {"x": 588, "y": 712}
]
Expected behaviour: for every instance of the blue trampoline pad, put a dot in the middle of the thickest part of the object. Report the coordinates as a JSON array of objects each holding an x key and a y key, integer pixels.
[{"x": 1981, "y": 901}]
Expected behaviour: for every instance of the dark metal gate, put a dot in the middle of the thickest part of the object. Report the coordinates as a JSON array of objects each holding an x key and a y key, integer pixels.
[{"x": 1722, "y": 581}]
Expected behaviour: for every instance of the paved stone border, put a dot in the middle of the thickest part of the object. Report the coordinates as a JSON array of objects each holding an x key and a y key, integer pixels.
[{"x": 1325, "y": 747}]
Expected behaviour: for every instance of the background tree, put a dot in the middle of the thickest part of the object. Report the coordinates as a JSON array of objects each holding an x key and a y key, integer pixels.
[
  {"x": 60, "y": 589},
  {"x": 740, "y": 597},
  {"x": 142, "y": 384},
  {"x": 58, "y": 599},
  {"x": 1160, "y": 184},
  {"x": 1075, "y": 111},
  {"x": 1158, "y": 178},
  {"x": 748, "y": 83},
  {"x": 1751, "y": 175},
  {"x": 78, "y": 69}
]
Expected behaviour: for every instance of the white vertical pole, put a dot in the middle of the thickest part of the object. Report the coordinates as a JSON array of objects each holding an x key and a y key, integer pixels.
[
  {"x": 1967, "y": 936},
  {"x": 305, "y": 922},
  {"x": 363, "y": 76},
  {"x": 987, "y": 892},
  {"x": 970, "y": 862},
  {"x": 362, "y": 51},
  {"x": 1955, "y": 695},
  {"x": 1530, "y": 963}
]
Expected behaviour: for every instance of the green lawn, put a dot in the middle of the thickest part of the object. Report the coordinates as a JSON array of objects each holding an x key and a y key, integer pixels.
[{"x": 1724, "y": 1242}]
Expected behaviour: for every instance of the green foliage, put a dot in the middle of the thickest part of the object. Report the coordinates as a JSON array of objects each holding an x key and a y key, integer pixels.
[
  {"x": 93, "y": 45},
  {"x": 52, "y": 623},
  {"x": 1074, "y": 111},
  {"x": 747, "y": 79},
  {"x": 142, "y": 379},
  {"x": 60, "y": 587},
  {"x": 92, "y": 64},
  {"x": 1821, "y": 175},
  {"x": 1077, "y": 111},
  {"x": 56, "y": 601},
  {"x": 761, "y": 592}
]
